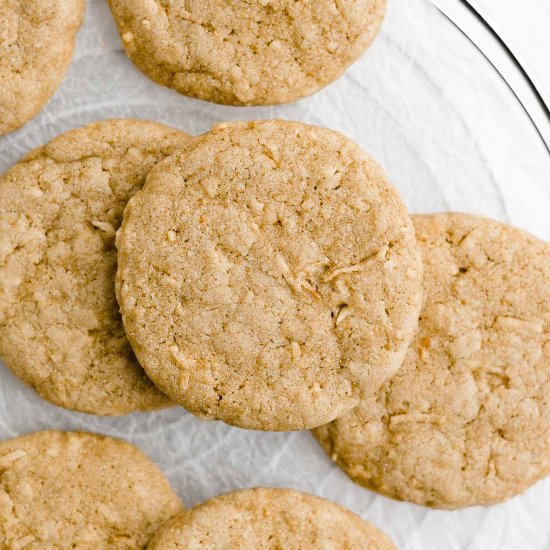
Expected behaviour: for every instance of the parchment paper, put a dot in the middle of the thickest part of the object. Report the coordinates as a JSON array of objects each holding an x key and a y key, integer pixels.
[{"x": 449, "y": 133}]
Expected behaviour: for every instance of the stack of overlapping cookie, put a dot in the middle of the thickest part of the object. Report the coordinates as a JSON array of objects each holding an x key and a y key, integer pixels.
[{"x": 268, "y": 275}]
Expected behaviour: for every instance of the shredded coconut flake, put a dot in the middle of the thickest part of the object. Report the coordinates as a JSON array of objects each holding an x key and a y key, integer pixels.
[
  {"x": 106, "y": 227},
  {"x": 296, "y": 350},
  {"x": 416, "y": 417},
  {"x": 182, "y": 360},
  {"x": 380, "y": 255},
  {"x": 8, "y": 459},
  {"x": 344, "y": 313}
]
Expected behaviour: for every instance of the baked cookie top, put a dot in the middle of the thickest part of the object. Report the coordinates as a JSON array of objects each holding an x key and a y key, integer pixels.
[
  {"x": 466, "y": 420},
  {"x": 269, "y": 519},
  {"x": 60, "y": 327},
  {"x": 246, "y": 53},
  {"x": 76, "y": 490},
  {"x": 37, "y": 39},
  {"x": 268, "y": 275}
]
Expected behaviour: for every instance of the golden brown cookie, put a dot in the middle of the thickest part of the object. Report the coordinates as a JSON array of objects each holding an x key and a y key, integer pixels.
[
  {"x": 269, "y": 275},
  {"x": 246, "y": 53},
  {"x": 60, "y": 328},
  {"x": 269, "y": 519},
  {"x": 466, "y": 420},
  {"x": 67, "y": 490},
  {"x": 37, "y": 39}
]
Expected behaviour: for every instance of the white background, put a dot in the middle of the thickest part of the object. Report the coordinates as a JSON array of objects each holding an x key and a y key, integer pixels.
[{"x": 450, "y": 135}]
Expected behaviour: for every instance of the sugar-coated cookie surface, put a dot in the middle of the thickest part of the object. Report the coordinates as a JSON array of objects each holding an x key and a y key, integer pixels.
[
  {"x": 246, "y": 53},
  {"x": 268, "y": 275},
  {"x": 466, "y": 420},
  {"x": 60, "y": 327},
  {"x": 269, "y": 519},
  {"x": 68, "y": 490},
  {"x": 37, "y": 39}
]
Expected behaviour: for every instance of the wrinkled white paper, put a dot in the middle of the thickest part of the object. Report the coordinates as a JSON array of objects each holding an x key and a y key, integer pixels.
[{"x": 449, "y": 133}]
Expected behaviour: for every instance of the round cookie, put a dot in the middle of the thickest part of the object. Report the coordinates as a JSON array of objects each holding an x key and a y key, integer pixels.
[
  {"x": 268, "y": 275},
  {"x": 269, "y": 519},
  {"x": 246, "y": 53},
  {"x": 37, "y": 39},
  {"x": 466, "y": 421},
  {"x": 60, "y": 328},
  {"x": 76, "y": 490}
]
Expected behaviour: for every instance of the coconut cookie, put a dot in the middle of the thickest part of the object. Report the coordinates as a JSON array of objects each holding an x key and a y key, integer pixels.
[
  {"x": 268, "y": 275},
  {"x": 246, "y": 53},
  {"x": 466, "y": 420},
  {"x": 37, "y": 39},
  {"x": 77, "y": 490},
  {"x": 269, "y": 519},
  {"x": 60, "y": 328}
]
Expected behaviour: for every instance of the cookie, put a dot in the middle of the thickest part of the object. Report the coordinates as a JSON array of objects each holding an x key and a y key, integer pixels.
[
  {"x": 268, "y": 275},
  {"x": 60, "y": 328},
  {"x": 466, "y": 421},
  {"x": 37, "y": 39},
  {"x": 246, "y": 53},
  {"x": 77, "y": 490},
  {"x": 269, "y": 519}
]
